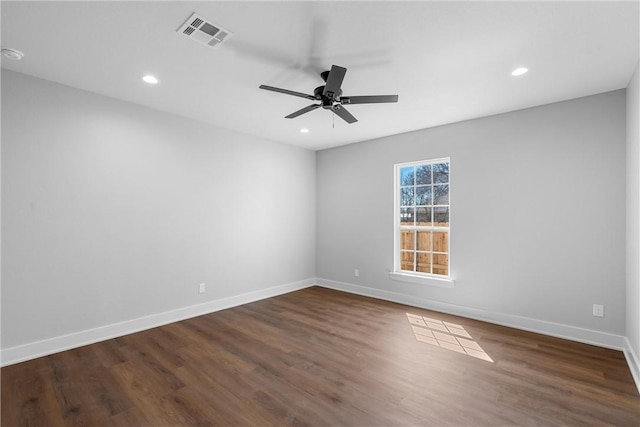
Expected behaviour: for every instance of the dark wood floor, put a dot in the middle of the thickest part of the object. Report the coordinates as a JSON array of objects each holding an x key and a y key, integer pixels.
[{"x": 321, "y": 357}]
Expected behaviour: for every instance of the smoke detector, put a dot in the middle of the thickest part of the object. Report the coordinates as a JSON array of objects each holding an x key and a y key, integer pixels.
[
  {"x": 14, "y": 54},
  {"x": 203, "y": 31}
]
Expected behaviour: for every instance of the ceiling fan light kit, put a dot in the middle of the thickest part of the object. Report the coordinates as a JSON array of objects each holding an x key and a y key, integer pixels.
[{"x": 330, "y": 96}]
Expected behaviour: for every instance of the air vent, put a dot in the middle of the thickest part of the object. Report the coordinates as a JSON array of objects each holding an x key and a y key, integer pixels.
[{"x": 203, "y": 31}]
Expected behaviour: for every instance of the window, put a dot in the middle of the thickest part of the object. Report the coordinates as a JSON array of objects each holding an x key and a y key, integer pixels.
[{"x": 422, "y": 212}]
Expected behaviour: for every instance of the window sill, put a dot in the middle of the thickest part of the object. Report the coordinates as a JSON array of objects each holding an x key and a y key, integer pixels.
[{"x": 444, "y": 282}]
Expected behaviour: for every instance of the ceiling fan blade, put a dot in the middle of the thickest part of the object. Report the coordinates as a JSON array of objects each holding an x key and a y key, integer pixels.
[
  {"x": 334, "y": 81},
  {"x": 302, "y": 111},
  {"x": 373, "y": 99},
  {"x": 287, "y": 92},
  {"x": 344, "y": 114}
]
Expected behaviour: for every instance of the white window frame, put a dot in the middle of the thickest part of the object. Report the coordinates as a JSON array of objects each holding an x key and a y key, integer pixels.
[{"x": 439, "y": 280}]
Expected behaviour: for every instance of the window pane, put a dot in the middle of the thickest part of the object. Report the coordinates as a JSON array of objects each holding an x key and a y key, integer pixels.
[
  {"x": 406, "y": 176},
  {"x": 422, "y": 232},
  {"x": 441, "y": 194},
  {"x": 406, "y": 261},
  {"x": 424, "y": 216},
  {"x": 441, "y": 264},
  {"x": 440, "y": 241},
  {"x": 424, "y": 263},
  {"x": 423, "y": 195},
  {"x": 441, "y": 217},
  {"x": 441, "y": 172},
  {"x": 406, "y": 216},
  {"x": 424, "y": 241},
  {"x": 407, "y": 239},
  {"x": 423, "y": 174},
  {"x": 406, "y": 196}
]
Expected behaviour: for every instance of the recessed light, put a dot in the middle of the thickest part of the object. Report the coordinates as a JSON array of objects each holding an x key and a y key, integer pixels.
[
  {"x": 519, "y": 71},
  {"x": 10, "y": 53},
  {"x": 304, "y": 130},
  {"x": 150, "y": 79}
]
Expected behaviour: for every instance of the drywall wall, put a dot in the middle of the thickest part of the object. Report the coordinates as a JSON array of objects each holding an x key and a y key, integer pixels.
[
  {"x": 112, "y": 211},
  {"x": 538, "y": 224},
  {"x": 633, "y": 223}
]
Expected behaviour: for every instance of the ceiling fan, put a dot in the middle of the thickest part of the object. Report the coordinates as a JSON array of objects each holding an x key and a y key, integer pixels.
[{"x": 330, "y": 96}]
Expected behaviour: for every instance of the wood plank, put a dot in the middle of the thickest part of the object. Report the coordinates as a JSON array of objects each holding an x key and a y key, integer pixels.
[{"x": 322, "y": 357}]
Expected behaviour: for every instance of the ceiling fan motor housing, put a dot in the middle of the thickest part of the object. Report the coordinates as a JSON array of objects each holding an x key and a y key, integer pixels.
[{"x": 327, "y": 103}]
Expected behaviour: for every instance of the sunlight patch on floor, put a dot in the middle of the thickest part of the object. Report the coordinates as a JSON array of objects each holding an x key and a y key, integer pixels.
[{"x": 446, "y": 335}]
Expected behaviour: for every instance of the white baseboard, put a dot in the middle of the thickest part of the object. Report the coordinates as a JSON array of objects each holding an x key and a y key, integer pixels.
[
  {"x": 633, "y": 361},
  {"x": 37, "y": 349},
  {"x": 32, "y": 350},
  {"x": 573, "y": 333}
]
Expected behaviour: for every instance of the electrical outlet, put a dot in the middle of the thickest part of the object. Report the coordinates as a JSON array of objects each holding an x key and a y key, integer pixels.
[
  {"x": 202, "y": 288},
  {"x": 598, "y": 310},
  {"x": 356, "y": 273}
]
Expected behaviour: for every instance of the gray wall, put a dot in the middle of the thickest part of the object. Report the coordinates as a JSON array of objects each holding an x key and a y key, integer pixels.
[
  {"x": 112, "y": 211},
  {"x": 538, "y": 228},
  {"x": 633, "y": 216}
]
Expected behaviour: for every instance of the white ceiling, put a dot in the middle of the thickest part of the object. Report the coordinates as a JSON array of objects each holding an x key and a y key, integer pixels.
[{"x": 447, "y": 61}]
